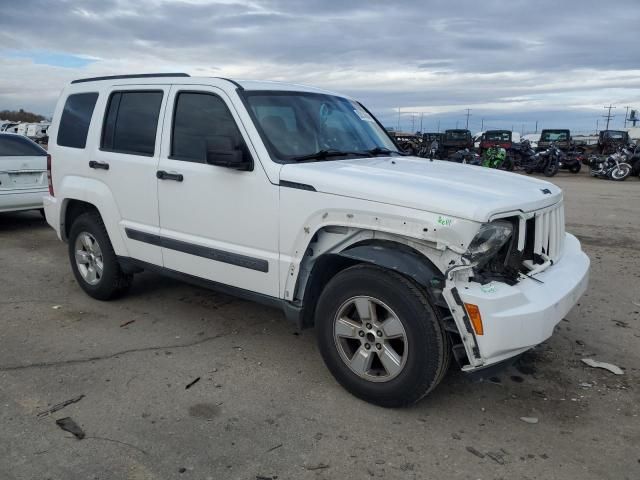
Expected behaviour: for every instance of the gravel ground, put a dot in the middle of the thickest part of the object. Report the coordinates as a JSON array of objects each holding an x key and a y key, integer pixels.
[{"x": 265, "y": 407}]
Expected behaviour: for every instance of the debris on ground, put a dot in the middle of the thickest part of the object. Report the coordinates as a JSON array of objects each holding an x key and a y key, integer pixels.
[
  {"x": 68, "y": 425},
  {"x": 60, "y": 406},
  {"x": 192, "y": 383},
  {"x": 496, "y": 457},
  {"x": 274, "y": 448},
  {"x": 532, "y": 420},
  {"x": 57, "y": 307},
  {"x": 604, "y": 365},
  {"x": 126, "y": 323},
  {"x": 318, "y": 466},
  {"x": 475, "y": 452}
]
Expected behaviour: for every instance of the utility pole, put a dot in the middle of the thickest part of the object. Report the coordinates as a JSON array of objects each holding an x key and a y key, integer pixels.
[
  {"x": 608, "y": 116},
  {"x": 398, "y": 126},
  {"x": 468, "y": 115},
  {"x": 421, "y": 115},
  {"x": 597, "y": 125},
  {"x": 536, "y": 126},
  {"x": 626, "y": 115},
  {"x": 482, "y": 125},
  {"x": 456, "y": 124},
  {"x": 438, "y": 126}
]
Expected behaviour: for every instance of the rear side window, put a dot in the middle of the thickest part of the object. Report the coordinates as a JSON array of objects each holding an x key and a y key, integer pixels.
[
  {"x": 201, "y": 122},
  {"x": 75, "y": 120},
  {"x": 18, "y": 146},
  {"x": 131, "y": 122}
]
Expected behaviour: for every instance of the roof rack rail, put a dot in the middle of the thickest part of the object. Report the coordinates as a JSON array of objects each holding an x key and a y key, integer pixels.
[
  {"x": 240, "y": 87},
  {"x": 139, "y": 75}
]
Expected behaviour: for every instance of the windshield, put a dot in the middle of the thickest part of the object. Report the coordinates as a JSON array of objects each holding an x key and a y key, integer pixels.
[
  {"x": 300, "y": 124},
  {"x": 500, "y": 136},
  {"x": 457, "y": 135},
  {"x": 554, "y": 136},
  {"x": 615, "y": 134}
]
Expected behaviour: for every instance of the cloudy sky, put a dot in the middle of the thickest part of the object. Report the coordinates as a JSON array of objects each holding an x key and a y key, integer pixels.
[{"x": 511, "y": 62}]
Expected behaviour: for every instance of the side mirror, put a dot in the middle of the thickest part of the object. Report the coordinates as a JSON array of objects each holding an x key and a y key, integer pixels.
[{"x": 229, "y": 158}]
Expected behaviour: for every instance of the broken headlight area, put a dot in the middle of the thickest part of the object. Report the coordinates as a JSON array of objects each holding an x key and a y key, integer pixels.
[{"x": 493, "y": 251}]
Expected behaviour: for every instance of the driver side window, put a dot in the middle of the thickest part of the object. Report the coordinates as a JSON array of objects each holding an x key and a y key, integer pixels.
[{"x": 202, "y": 122}]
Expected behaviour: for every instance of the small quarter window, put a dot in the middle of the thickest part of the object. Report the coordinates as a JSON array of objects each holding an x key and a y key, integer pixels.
[
  {"x": 131, "y": 122},
  {"x": 75, "y": 120}
]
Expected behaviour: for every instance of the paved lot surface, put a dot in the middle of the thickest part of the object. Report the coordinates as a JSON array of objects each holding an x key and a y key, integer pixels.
[{"x": 265, "y": 405}]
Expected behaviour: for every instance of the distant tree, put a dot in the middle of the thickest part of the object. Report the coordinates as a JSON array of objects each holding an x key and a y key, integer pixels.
[{"x": 20, "y": 116}]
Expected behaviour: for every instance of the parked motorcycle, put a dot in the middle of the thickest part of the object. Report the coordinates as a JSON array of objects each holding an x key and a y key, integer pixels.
[
  {"x": 496, "y": 157},
  {"x": 547, "y": 161},
  {"x": 613, "y": 167},
  {"x": 465, "y": 156},
  {"x": 571, "y": 161}
]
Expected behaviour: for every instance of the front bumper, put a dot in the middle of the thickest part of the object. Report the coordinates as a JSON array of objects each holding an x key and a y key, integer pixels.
[{"x": 518, "y": 317}]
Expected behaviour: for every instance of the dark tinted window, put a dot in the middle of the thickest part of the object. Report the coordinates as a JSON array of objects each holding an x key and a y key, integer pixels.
[
  {"x": 75, "y": 119},
  {"x": 131, "y": 122},
  {"x": 202, "y": 122},
  {"x": 18, "y": 146}
]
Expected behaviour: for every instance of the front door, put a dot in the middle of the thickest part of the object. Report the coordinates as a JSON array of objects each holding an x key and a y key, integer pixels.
[{"x": 216, "y": 223}]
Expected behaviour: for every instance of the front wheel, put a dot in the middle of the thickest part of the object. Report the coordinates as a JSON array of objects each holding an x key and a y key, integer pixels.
[
  {"x": 551, "y": 169},
  {"x": 380, "y": 337},
  {"x": 620, "y": 172},
  {"x": 93, "y": 261}
]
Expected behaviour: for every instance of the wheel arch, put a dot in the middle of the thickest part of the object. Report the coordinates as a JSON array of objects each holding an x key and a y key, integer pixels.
[{"x": 387, "y": 254}]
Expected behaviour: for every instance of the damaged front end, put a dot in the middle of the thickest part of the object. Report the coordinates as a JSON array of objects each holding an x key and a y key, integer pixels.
[{"x": 512, "y": 247}]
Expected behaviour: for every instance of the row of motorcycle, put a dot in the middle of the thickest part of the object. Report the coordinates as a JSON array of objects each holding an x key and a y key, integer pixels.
[{"x": 618, "y": 166}]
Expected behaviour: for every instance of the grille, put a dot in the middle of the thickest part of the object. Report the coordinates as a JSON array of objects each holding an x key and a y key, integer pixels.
[{"x": 549, "y": 232}]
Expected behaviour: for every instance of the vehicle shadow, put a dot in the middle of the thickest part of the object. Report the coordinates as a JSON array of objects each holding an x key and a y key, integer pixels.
[{"x": 18, "y": 221}]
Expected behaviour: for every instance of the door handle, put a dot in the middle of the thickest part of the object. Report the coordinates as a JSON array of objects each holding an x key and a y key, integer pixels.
[
  {"x": 162, "y": 175},
  {"x": 99, "y": 165}
]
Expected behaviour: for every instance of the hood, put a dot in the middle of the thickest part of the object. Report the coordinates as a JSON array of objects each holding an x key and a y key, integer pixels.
[{"x": 448, "y": 188}]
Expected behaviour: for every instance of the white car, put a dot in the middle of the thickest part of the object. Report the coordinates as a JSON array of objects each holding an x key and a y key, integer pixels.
[
  {"x": 23, "y": 173},
  {"x": 298, "y": 198}
]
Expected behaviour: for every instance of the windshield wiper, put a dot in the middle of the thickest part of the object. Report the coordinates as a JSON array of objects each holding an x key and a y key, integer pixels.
[
  {"x": 323, "y": 154},
  {"x": 382, "y": 151}
]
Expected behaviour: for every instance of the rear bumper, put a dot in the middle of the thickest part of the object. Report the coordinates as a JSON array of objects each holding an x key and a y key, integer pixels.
[
  {"x": 16, "y": 200},
  {"x": 52, "y": 213},
  {"x": 516, "y": 318}
]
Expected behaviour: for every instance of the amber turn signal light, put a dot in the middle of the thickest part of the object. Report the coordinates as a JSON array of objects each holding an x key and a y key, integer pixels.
[{"x": 476, "y": 319}]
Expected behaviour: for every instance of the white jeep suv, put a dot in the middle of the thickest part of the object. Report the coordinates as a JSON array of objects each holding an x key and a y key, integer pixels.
[{"x": 297, "y": 198}]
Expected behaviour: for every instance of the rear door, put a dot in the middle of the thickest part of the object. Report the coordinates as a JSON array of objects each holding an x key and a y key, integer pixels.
[
  {"x": 126, "y": 158},
  {"x": 23, "y": 165}
]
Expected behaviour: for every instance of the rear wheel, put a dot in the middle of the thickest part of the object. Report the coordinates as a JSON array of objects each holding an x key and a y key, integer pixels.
[
  {"x": 93, "y": 261},
  {"x": 575, "y": 168},
  {"x": 380, "y": 337}
]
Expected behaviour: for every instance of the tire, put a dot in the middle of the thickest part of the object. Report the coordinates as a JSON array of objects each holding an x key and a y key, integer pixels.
[
  {"x": 575, "y": 168},
  {"x": 41, "y": 210},
  {"x": 89, "y": 235},
  {"x": 551, "y": 169},
  {"x": 620, "y": 173},
  {"x": 423, "y": 355}
]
